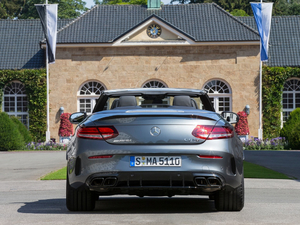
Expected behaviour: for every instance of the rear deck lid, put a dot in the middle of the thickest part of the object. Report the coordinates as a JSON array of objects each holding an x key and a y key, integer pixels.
[{"x": 155, "y": 129}]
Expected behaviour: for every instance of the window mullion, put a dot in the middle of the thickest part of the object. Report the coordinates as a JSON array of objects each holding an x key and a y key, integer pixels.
[
  {"x": 216, "y": 100},
  {"x": 294, "y": 99}
]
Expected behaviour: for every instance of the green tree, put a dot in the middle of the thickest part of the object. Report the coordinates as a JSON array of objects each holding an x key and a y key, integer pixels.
[
  {"x": 97, "y": 2},
  {"x": 25, "y": 9},
  {"x": 294, "y": 9},
  {"x": 280, "y": 7},
  {"x": 121, "y": 2},
  {"x": 66, "y": 8},
  {"x": 10, "y": 8},
  {"x": 228, "y": 5},
  {"x": 238, "y": 12}
]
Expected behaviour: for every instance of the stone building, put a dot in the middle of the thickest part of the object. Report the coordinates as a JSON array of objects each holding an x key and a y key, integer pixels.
[{"x": 196, "y": 46}]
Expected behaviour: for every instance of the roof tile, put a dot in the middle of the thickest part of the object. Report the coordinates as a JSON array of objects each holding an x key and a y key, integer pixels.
[{"x": 202, "y": 22}]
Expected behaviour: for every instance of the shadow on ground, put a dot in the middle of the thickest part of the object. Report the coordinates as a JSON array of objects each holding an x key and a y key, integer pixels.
[{"x": 129, "y": 205}]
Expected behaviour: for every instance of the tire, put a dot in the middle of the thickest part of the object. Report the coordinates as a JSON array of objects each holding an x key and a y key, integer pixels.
[
  {"x": 230, "y": 200},
  {"x": 79, "y": 200}
]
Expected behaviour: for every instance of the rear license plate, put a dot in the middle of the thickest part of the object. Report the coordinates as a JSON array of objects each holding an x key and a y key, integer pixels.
[{"x": 155, "y": 160}]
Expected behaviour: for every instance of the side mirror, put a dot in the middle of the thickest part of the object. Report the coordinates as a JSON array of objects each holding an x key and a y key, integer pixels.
[
  {"x": 230, "y": 117},
  {"x": 77, "y": 117}
]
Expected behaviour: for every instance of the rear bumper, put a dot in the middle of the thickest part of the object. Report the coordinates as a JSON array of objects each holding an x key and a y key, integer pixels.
[
  {"x": 115, "y": 175},
  {"x": 156, "y": 183}
]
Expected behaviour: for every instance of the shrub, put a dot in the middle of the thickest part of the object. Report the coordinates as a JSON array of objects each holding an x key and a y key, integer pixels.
[
  {"x": 10, "y": 137},
  {"x": 291, "y": 129},
  {"x": 22, "y": 129},
  {"x": 65, "y": 127},
  {"x": 242, "y": 127}
]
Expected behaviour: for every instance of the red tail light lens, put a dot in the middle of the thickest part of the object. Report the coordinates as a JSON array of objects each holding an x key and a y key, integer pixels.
[
  {"x": 209, "y": 132},
  {"x": 108, "y": 132},
  {"x": 210, "y": 157},
  {"x": 202, "y": 132},
  {"x": 97, "y": 132}
]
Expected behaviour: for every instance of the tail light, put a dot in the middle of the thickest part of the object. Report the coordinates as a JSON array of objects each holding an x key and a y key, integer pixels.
[
  {"x": 209, "y": 132},
  {"x": 100, "y": 133},
  {"x": 210, "y": 157}
]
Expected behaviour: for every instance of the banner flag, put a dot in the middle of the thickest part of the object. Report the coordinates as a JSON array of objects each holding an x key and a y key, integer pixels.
[
  {"x": 263, "y": 15},
  {"x": 48, "y": 16}
]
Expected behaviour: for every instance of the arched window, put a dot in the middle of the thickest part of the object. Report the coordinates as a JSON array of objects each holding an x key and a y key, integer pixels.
[
  {"x": 15, "y": 102},
  {"x": 154, "y": 84},
  {"x": 290, "y": 97},
  {"x": 220, "y": 95},
  {"x": 88, "y": 93}
]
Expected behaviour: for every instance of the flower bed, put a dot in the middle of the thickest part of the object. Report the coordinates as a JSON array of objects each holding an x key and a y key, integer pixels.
[
  {"x": 45, "y": 146},
  {"x": 278, "y": 143}
]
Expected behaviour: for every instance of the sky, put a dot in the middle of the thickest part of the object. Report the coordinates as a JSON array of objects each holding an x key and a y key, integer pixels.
[{"x": 90, "y": 3}]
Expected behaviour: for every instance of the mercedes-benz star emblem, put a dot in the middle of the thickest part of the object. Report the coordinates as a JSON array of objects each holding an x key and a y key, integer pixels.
[{"x": 154, "y": 131}]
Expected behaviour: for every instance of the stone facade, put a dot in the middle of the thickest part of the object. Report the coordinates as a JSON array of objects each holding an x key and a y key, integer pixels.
[{"x": 176, "y": 66}]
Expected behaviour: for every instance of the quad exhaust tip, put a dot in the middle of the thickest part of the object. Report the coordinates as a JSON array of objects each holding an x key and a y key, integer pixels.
[
  {"x": 208, "y": 182},
  {"x": 104, "y": 182}
]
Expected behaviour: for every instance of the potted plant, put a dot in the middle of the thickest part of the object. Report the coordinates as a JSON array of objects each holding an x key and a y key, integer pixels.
[
  {"x": 242, "y": 128},
  {"x": 65, "y": 128}
]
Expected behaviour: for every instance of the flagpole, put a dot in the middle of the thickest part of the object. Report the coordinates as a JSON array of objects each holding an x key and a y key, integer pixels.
[
  {"x": 47, "y": 69},
  {"x": 260, "y": 132}
]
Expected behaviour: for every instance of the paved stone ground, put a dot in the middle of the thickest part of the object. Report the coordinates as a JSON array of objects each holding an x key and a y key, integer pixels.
[
  {"x": 43, "y": 202},
  {"x": 30, "y": 165},
  {"x": 26, "y": 200}
]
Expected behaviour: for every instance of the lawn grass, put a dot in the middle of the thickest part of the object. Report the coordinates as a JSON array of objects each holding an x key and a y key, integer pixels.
[
  {"x": 251, "y": 171},
  {"x": 56, "y": 175},
  {"x": 255, "y": 171}
]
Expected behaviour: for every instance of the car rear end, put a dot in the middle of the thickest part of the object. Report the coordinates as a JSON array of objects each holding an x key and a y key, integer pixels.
[{"x": 155, "y": 152}]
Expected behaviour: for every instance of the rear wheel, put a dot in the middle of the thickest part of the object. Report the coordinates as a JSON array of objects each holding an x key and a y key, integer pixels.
[
  {"x": 230, "y": 200},
  {"x": 79, "y": 200}
]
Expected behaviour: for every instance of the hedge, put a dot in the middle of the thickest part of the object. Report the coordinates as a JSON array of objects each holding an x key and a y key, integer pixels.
[
  {"x": 36, "y": 90},
  {"x": 273, "y": 81}
]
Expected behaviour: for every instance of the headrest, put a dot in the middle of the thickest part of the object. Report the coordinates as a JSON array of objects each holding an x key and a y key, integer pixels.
[
  {"x": 114, "y": 104},
  {"x": 127, "y": 101},
  {"x": 182, "y": 100}
]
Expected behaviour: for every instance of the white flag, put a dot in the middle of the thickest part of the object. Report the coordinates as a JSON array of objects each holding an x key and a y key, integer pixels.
[
  {"x": 48, "y": 16},
  {"x": 263, "y": 15}
]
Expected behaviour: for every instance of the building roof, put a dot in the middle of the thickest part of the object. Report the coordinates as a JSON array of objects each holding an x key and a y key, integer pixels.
[
  {"x": 200, "y": 22},
  {"x": 20, "y": 39},
  {"x": 284, "y": 43},
  {"x": 20, "y": 44}
]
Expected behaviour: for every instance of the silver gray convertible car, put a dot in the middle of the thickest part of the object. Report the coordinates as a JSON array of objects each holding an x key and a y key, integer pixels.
[{"x": 154, "y": 142}]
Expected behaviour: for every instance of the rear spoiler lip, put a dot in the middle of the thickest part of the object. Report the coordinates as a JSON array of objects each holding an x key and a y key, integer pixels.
[{"x": 209, "y": 116}]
